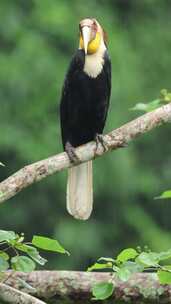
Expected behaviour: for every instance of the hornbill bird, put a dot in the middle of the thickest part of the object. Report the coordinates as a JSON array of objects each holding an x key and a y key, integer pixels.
[{"x": 83, "y": 110}]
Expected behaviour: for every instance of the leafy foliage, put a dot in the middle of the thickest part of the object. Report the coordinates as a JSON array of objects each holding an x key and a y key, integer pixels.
[
  {"x": 9, "y": 240},
  {"x": 48, "y": 244},
  {"x": 165, "y": 194},
  {"x": 128, "y": 262},
  {"x": 127, "y": 254},
  {"x": 22, "y": 263},
  {"x": 99, "y": 266},
  {"x": 165, "y": 97},
  {"x": 102, "y": 291},
  {"x": 164, "y": 275}
]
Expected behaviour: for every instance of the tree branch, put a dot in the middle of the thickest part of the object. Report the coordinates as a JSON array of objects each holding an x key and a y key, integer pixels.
[
  {"x": 117, "y": 138},
  {"x": 75, "y": 287},
  {"x": 13, "y": 296}
]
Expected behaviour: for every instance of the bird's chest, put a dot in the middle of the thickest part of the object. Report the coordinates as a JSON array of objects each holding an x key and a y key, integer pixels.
[
  {"x": 87, "y": 88},
  {"x": 93, "y": 65},
  {"x": 89, "y": 93}
]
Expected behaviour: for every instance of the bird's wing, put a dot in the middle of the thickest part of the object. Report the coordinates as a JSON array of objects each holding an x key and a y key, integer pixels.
[
  {"x": 107, "y": 68},
  {"x": 101, "y": 112},
  {"x": 75, "y": 66}
]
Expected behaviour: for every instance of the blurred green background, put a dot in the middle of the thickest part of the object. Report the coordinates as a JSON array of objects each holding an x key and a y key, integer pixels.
[{"x": 37, "y": 40}]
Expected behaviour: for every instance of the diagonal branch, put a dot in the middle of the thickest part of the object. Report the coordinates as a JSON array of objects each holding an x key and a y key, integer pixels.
[{"x": 117, "y": 138}]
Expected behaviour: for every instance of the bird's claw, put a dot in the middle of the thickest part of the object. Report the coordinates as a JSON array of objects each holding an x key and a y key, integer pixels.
[
  {"x": 100, "y": 140},
  {"x": 70, "y": 150}
]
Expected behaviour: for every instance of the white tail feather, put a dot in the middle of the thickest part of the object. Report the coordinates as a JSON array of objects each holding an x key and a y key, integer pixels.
[{"x": 80, "y": 191}]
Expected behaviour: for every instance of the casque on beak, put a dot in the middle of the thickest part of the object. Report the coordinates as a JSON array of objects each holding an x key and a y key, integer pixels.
[{"x": 86, "y": 34}]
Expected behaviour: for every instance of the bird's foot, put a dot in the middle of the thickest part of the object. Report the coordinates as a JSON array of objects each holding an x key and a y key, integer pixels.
[
  {"x": 100, "y": 141},
  {"x": 70, "y": 150}
]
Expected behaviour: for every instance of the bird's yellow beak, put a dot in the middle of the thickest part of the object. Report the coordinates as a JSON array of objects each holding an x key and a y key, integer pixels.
[{"x": 86, "y": 35}]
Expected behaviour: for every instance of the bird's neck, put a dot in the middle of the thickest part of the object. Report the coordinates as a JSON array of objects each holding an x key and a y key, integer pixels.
[{"x": 94, "y": 62}]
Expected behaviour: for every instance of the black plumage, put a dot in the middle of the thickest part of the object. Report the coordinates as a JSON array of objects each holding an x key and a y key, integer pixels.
[
  {"x": 84, "y": 102},
  {"x": 83, "y": 110}
]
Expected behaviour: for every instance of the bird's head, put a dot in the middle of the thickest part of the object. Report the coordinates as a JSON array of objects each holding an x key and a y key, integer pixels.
[{"x": 91, "y": 35}]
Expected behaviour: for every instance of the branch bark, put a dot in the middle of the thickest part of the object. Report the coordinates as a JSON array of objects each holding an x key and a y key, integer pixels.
[
  {"x": 117, "y": 138},
  {"x": 75, "y": 287},
  {"x": 11, "y": 295}
]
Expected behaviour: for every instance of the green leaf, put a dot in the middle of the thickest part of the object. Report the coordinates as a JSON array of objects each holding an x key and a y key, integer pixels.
[
  {"x": 153, "y": 105},
  {"x": 127, "y": 254},
  {"x": 148, "y": 259},
  {"x": 1, "y": 164},
  {"x": 110, "y": 260},
  {"x": 165, "y": 95},
  {"x": 22, "y": 263},
  {"x": 139, "y": 107},
  {"x": 147, "y": 107},
  {"x": 48, "y": 244},
  {"x": 133, "y": 267},
  {"x": 127, "y": 269},
  {"x": 124, "y": 274},
  {"x": 165, "y": 255},
  {"x": 102, "y": 291},
  {"x": 165, "y": 194},
  {"x": 32, "y": 252},
  {"x": 4, "y": 255},
  {"x": 98, "y": 266},
  {"x": 3, "y": 264},
  {"x": 164, "y": 275},
  {"x": 7, "y": 235}
]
